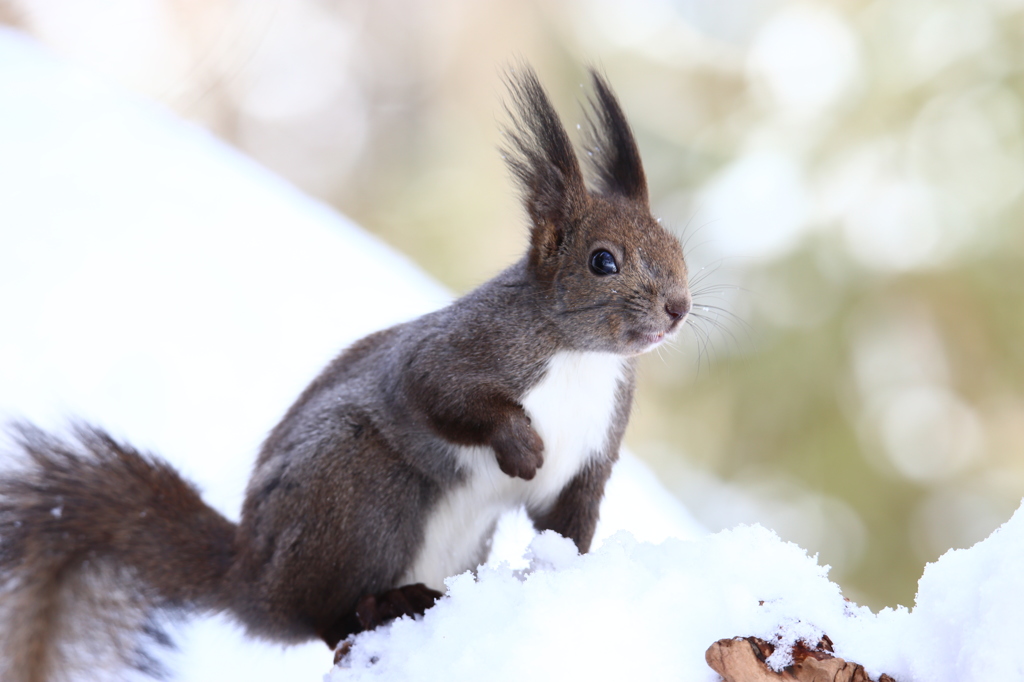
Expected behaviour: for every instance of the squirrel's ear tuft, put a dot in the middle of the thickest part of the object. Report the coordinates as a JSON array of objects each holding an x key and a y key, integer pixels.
[
  {"x": 611, "y": 149},
  {"x": 541, "y": 157}
]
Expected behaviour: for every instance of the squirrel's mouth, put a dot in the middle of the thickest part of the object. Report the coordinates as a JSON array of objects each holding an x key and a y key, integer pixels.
[
  {"x": 643, "y": 341},
  {"x": 654, "y": 338}
]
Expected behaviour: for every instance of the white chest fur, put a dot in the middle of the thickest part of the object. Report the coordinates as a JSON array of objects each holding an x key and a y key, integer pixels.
[{"x": 571, "y": 408}]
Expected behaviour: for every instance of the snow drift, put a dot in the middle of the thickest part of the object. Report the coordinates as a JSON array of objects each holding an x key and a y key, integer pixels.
[{"x": 632, "y": 610}]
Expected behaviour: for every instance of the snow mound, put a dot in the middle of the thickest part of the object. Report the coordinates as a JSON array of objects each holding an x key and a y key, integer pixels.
[
  {"x": 628, "y": 610},
  {"x": 633, "y": 610},
  {"x": 970, "y": 611}
]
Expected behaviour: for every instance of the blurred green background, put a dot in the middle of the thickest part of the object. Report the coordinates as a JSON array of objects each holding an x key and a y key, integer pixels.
[{"x": 846, "y": 176}]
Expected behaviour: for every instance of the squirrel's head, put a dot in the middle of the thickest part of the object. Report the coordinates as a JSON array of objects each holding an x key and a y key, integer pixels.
[{"x": 616, "y": 276}]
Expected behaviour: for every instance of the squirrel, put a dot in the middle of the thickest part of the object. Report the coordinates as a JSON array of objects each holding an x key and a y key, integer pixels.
[{"x": 390, "y": 471}]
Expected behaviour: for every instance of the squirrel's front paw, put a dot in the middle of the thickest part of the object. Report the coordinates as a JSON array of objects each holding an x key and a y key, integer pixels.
[{"x": 518, "y": 448}]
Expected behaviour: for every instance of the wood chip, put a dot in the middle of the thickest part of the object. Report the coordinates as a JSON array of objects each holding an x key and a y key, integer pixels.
[{"x": 743, "y": 659}]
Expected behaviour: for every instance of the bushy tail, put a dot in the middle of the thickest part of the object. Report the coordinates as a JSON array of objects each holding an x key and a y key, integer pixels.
[{"x": 97, "y": 539}]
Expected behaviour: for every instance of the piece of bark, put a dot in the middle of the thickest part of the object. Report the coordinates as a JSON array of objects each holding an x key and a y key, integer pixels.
[
  {"x": 343, "y": 650},
  {"x": 743, "y": 659}
]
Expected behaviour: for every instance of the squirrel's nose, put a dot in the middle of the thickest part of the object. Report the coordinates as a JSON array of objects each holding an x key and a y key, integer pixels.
[{"x": 677, "y": 306}]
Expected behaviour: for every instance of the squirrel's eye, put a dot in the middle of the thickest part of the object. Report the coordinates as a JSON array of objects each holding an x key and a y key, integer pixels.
[{"x": 603, "y": 263}]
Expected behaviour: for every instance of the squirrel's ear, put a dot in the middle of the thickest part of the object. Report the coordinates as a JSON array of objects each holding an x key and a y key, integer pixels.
[
  {"x": 611, "y": 149},
  {"x": 541, "y": 157}
]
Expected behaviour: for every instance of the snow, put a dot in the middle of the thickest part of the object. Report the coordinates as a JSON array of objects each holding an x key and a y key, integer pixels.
[
  {"x": 636, "y": 610},
  {"x": 968, "y": 611},
  {"x": 156, "y": 282},
  {"x": 628, "y": 610}
]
